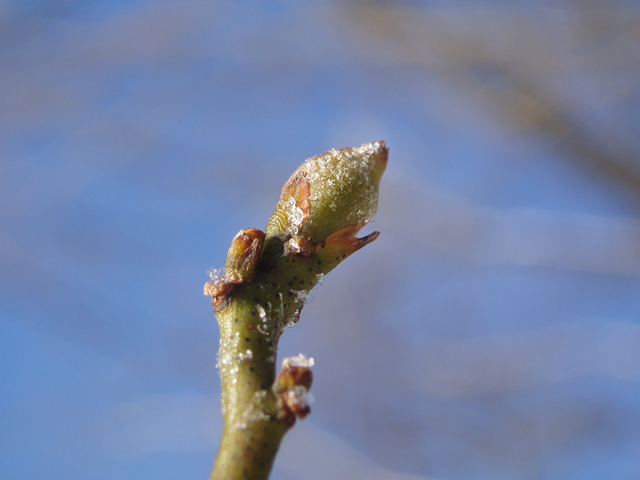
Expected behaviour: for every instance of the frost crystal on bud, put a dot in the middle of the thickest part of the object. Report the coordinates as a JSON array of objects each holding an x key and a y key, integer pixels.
[
  {"x": 298, "y": 361},
  {"x": 302, "y": 296},
  {"x": 215, "y": 274},
  {"x": 292, "y": 388},
  {"x": 296, "y": 216}
]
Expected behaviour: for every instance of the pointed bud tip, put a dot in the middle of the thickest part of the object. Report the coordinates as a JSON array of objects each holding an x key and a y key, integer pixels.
[
  {"x": 383, "y": 151},
  {"x": 381, "y": 157}
]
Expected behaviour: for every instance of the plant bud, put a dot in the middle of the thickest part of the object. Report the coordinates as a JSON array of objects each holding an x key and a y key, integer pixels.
[
  {"x": 243, "y": 256},
  {"x": 329, "y": 193}
]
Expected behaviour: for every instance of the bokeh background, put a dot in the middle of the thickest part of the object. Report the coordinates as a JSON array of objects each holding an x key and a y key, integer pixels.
[{"x": 492, "y": 332}]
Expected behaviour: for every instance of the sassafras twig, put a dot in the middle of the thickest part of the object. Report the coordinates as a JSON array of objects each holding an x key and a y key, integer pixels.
[{"x": 265, "y": 283}]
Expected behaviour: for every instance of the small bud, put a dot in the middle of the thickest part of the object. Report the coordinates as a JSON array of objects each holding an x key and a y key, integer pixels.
[
  {"x": 243, "y": 256},
  {"x": 219, "y": 292},
  {"x": 292, "y": 388},
  {"x": 240, "y": 267}
]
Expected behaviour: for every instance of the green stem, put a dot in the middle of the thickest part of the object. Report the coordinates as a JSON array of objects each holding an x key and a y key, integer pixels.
[
  {"x": 266, "y": 283},
  {"x": 250, "y": 327}
]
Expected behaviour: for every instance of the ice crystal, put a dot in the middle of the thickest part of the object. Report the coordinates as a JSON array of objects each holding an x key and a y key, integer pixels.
[
  {"x": 303, "y": 296},
  {"x": 299, "y": 396},
  {"x": 293, "y": 319},
  {"x": 215, "y": 274},
  {"x": 253, "y": 412},
  {"x": 298, "y": 361},
  {"x": 262, "y": 313},
  {"x": 296, "y": 216},
  {"x": 248, "y": 355}
]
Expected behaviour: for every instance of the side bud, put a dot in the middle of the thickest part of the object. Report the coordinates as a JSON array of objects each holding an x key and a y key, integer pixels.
[
  {"x": 243, "y": 255},
  {"x": 291, "y": 388},
  {"x": 240, "y": 267}
]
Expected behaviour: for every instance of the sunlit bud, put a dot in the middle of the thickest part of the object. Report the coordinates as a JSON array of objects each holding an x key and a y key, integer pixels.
[
  {"x": 243, "y": 256},
  {"x": 292, "y": 388},
  {"x": 331, "y": 192}
]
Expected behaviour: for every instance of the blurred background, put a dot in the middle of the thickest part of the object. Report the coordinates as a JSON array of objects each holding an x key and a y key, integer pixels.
[{"x": 492, "y": 332}]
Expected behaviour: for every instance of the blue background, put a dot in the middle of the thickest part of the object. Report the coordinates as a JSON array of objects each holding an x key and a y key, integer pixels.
[{"x": 492, "y": 332}]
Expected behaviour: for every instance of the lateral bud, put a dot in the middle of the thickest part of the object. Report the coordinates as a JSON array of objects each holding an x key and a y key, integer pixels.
[
  {"x": 243, "y": 256},
  {"x": 240, "y": 267},
  {"x": 291, "y": 388}
]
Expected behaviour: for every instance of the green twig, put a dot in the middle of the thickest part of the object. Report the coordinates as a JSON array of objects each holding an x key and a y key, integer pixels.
[{"x": 263, "y": 288}]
